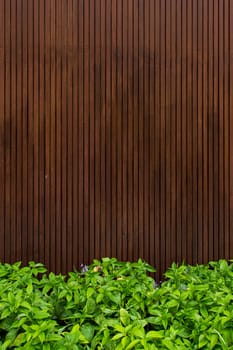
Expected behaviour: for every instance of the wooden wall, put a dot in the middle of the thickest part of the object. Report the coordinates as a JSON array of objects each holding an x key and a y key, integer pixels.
[{"x": 116, "y": 131}]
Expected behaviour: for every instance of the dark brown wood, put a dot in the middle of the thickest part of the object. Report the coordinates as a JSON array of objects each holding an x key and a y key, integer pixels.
[{"x": 116, "y": 131}]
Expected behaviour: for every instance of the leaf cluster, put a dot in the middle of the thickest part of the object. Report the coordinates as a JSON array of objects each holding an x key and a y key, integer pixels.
[{"x": 116, "y": 305}]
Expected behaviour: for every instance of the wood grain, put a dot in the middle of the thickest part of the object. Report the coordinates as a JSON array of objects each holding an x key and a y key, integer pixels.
[{"x": 116, "y": 131}]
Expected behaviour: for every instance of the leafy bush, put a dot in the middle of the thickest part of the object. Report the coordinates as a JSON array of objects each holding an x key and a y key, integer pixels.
[{"x": 116, "y": 305}]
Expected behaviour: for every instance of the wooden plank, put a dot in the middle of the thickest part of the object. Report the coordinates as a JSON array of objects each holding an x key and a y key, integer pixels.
[
  {"x": 69, "y": 188},
  {"x": 47, "y": 100},
  {"x": 154, "y": 129},
  {"x": 52, "y": 136},
  {"x": 210, "y": 130},
  {"x": 19, "y": 73},
  {"x": 162, "y": 161},
  {"x": 231, "y": 124},
  {"x": 92, "y": 129},
  {"x": 141, "y": 96},
  {"x": 86, "y": 122},
  {"x": 108, "y": 126},
  {"x": 173, "y": 133},
  {"x": 189, "y": 208},
  {"x": 226, "y": 131},
  {"x": 119, "y": 129},
  {"x": 200, "y": 127},
  {"x": 64, "y": 135},
  {"x": 31, "y": 142},
  {"x": 124, "y": 132},
  {"x": 130, "y": 81},
  {"x": 97, "y": 127},
  {"x": 58, "y": 138},
  {"x": 221, "y": 221},
  {"x": 135, "y": 130},
  {"x": 36, "y": 81},
  {"x": 146, "y": 135},
  {"x": 75, "y": 131},
  {"x": 168, "y": 133},
  {"x": 205, "y": 133},
  {"x": 7, "y": 131},
  {"x": 13, "y": 145},
  {"x": 179, "y": 150},
  {"x": 194, "y": 60},
  {"x": 2, "y": 128},
  {"x": 114, "y": 63},
  {"x": 80, "y": 132},
  {"x": 216, "y": 125},
  {"x": 41, "y": 133}
]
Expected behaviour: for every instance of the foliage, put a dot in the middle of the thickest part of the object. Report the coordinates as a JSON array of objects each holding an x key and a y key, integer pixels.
[{"x": 116, "y": 305}]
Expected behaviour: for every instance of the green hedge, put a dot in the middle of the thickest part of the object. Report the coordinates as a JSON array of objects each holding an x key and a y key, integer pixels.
[{"x": 116, "y": 305}]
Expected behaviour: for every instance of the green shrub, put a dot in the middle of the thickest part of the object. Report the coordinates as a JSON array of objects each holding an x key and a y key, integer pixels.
[{"x": 116, "y": 305}]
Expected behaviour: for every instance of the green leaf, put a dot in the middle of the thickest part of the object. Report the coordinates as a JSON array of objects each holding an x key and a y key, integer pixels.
[
  {"x": 118, "y": 336},
  {"x": 132, "y": 344},
  {"x": 168, "y": 343},
  {"x": 46, "y": 347},
  {"x": 202, "y": 341},
  {"x": 154, "y": 335},
  {"x": 88, "y": 331},
  {"x": 90, "y": 306},
  {"x": 138, "y": 332},
  {"x": 124, "y": 317}
]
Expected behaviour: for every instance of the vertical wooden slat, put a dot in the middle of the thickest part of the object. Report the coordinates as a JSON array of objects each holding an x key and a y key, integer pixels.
[
  {"x": 47, "y": 103},
  {"x": 2, "y": 128},
  {"x": 114, "y": 62},
  {"x": 24, "y": 117},
  {"x": 36, "y": 179},
  {"x": 19, "y": 132},
  {"x": 7, "y": 130},
  {"x": 216, "y": 126},
  {"x": 141, "y": 96},
  {"x": 31, "y": 142},
  {"x": 103, "y": 128},
  {"x": 179, "y": 71},
  {"x": 168, "y": 131},
  {"x": 13, "y": 131},
  {"x": 130, "y": 82},
  {"x": 64, "y": 117},
  {"x": 226, "y": 129},
  {"x": 86, "y": 122},
  {"x": 189, "y": 208},
  {"x": 162, "y": 161},
  {"x": 194, "y": 127},
  {"x": 135, "y": 129},
  {"x": 221, "y": 163},
  {"x": 146, "y": 135},
  {"x": 80, "y": 131},
  {"x": 173, "y": 132},
  {"x": 108, "y": 125},
  {"x": 210, "y": 129},
  {"x": 41, "y": 132},
  {"x": 92, "y": 130},
  {"x": 52, "y": 136},
  {"x": 200, "y": 126},
  {"x": 119, "y": 129},
  {"x": 124, "y": 131},
  {"x": 97, "y": 169},
  {"x": 154, "y": 75},
  {"x": 69, "y": 188},
  {"x": 58, "y": 132},
  {"x": 205, "y": 131},
  {"x": 75, "y": 131},
  {"x": 231, "y": 124}
]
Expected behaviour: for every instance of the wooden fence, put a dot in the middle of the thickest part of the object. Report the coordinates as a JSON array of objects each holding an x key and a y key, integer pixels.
[{"x": 116, "y": 131}]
